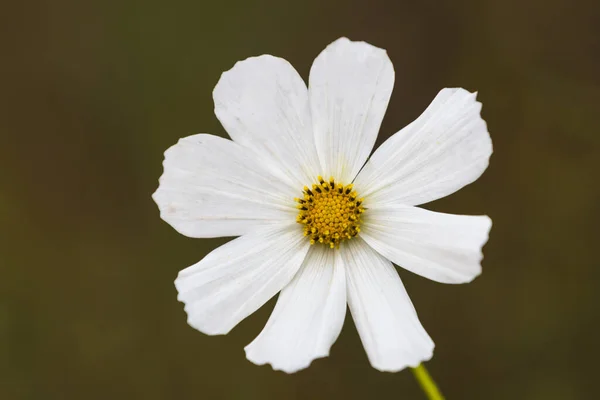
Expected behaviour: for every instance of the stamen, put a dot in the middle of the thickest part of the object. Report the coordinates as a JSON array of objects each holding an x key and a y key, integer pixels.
[{"x": 330, "y": 212}]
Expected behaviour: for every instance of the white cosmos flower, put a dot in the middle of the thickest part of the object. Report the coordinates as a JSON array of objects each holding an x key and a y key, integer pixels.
[{"x": 284, "y": 137}]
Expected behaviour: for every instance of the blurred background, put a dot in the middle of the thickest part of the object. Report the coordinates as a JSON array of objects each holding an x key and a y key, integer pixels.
[{"x": 93, "y": 92}]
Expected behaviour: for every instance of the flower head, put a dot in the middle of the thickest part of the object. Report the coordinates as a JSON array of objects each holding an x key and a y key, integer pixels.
[{"x": 324, "y": 242}]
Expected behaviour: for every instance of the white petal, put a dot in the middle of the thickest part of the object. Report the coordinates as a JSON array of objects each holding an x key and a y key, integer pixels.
[
  {"x": 444, "y": 149},
  {"x": 308, "y": 316},
  {"x": 442, "y": 247},
  {"x": 262, "y": 102},
  {"x": 211, "y": 187},
  {"x": 349, "y": 87},
  {"x": 237, "y": 278},
  {"x": 384, "y": 316}
]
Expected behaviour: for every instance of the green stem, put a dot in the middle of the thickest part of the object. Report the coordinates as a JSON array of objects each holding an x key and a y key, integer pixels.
[{"x": 427, "y": 383}]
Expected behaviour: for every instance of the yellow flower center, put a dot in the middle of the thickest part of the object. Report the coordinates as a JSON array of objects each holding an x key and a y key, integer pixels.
[{"x": 330, "y": 212}]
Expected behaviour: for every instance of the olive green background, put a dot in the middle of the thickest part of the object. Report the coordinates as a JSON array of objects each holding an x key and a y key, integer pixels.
[{"x": 92, "y": 93}]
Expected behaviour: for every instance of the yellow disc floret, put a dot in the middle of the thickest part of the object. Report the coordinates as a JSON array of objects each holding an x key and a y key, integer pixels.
[{"x": 330, "y": 212}]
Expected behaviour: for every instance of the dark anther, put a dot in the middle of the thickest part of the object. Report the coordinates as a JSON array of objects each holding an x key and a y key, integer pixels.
[{"x": 318, "y": 189}]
